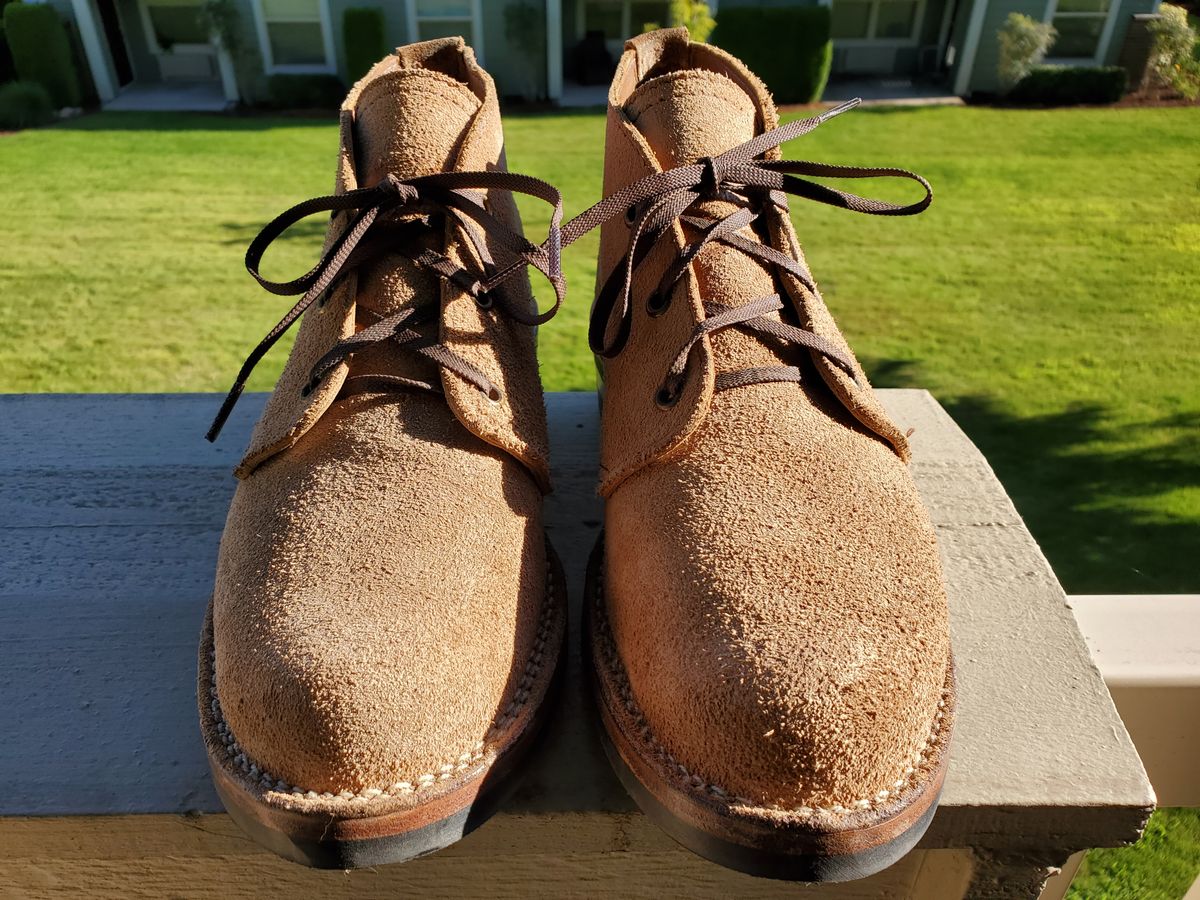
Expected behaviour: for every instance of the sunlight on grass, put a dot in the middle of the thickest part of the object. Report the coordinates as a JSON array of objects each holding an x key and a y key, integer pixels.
[{"x": 1050, "y": 299}]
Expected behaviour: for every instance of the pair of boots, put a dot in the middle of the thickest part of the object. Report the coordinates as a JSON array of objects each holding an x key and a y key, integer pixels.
[{"x": 765, "y": 615}]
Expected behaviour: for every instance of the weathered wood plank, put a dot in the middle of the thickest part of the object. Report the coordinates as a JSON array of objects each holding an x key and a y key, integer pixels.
[
  {"x": 112, "y": 510},
  {"x": 542, "y": 856}
]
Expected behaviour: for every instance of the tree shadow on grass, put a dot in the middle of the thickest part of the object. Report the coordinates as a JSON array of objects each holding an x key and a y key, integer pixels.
[
  {"x": 1095, "y": 504},
  {"x": 242, "y": 233}
]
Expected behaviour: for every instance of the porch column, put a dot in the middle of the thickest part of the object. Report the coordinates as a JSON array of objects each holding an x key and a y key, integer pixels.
[
  {"x": 229, "y": 85},
  {"x": 966, "y": 62},
  {"x": 93, "y": 49},
  {"x": 554, "y": 49}
]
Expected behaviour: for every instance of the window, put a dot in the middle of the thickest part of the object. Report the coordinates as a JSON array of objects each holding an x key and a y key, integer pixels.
[
  {"x": 429, "y": 19},
  {"x": 891, "y": 21},
  {"x": 294, "y": 35},
  {"x": 1080, "y": 25}
]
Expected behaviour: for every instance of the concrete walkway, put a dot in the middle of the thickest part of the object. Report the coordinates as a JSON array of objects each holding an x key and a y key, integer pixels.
[
  {"x": 575, "y": 96},
  {"x": 200, "y": 96}
]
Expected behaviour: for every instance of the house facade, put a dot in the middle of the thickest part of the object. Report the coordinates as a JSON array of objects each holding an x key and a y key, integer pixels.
[{"x": 531, "y": 46}]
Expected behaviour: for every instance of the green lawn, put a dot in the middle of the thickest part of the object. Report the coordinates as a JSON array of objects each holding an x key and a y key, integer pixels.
[{"x": 1050, "y": 299}]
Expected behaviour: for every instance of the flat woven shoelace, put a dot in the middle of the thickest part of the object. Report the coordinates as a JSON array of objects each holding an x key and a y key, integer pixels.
[
  {"x": 653, "y": 204},
  {"x": 392, "y": 217}
]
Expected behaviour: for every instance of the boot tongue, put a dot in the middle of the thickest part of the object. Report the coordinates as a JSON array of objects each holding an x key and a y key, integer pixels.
[
  {"x": 692, "y": 114},
  {"x": 685, "y": 116},
  {"x": 407, "y": 122},
  {"x": 410, "y": 122}
]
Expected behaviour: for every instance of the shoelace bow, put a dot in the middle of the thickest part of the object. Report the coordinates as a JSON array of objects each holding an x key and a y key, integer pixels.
[
  {"x": 391, "y": 217},
  {"x": 653, "y": 204}
]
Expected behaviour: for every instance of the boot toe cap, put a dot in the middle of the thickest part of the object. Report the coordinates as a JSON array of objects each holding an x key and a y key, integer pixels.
[{"x": 378, "y": 601}]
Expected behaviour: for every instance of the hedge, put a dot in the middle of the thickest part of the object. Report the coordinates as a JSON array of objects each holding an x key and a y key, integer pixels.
[
  {"x": 24, "y": 104},
  {"x": 41, "y": 51},
  {"x": 304, "y": 92},
  {"x": 1070, "y": 86},
  {"x": 787, "y": 47},
  {"x": 362, "y": 33}
]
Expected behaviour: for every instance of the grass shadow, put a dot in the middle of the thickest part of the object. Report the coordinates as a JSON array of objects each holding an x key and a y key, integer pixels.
[
  {"x": 242, "y": 233},
  {"x": 1095, "y": 504}
]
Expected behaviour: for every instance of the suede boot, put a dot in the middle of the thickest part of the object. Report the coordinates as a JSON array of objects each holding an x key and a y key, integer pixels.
[
  {"x": 767, "y": 617},
  {"x": 388, "y": 616}
]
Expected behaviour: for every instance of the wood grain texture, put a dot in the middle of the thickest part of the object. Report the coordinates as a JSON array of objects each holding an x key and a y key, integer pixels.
[
  {"x": 112, "y": 512},
  {"x": 553, "y": 855}
]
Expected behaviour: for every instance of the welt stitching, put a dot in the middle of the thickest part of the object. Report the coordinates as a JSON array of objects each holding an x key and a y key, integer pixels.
[
  {"x": 697, "y": 784},
  {"x": 266, "y": 781}
]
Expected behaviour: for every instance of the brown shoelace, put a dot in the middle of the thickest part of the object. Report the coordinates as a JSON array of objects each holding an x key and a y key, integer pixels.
[
  {"x": 392, "y": 217},
  {"x": 653, "y": 204}
]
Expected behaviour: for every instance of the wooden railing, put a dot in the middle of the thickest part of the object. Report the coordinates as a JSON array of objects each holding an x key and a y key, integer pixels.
[{"x": 113, "y": 508}]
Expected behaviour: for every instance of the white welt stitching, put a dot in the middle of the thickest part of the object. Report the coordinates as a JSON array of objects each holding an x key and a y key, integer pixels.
[{"x": 463, "y": 761}]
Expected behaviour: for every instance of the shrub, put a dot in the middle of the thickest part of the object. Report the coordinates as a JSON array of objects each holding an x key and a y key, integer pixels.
[
  {"x": 1186, "y": 78},
  {"x": 1070, "y": 86},
  {"x": 41, "y": 51},
  {"x": 1172, "y": 58},
  {"x": 222, "y": 19},
  {"x": 1024, "y": 43},
  {"x": 694, "y": 15},
  {"x": 304, "y": 92},
  {"x": 24, "y": 104},
  {"x": 756, "y": 34},
  {"x": 362, "y": 33}
]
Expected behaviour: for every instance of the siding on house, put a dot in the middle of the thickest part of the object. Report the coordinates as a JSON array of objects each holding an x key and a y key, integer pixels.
[
  {"x": 886, "y": 58},
  {"x": 880, "y": 59},
  {"x": 514, "y": 71},
  {"x": 1129, "y": 8},
  {"x": 984, "y": 78},
  {"x": 520, "y": 67},
  {"x": 987, "y": 57}
]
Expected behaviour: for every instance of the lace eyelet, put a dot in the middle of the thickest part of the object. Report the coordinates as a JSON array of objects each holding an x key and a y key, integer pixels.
[
  {"x": 631, "y": 214},
  {"x": 484, "y": 301},
  {"x": 665, "y": 398},
  {"x": 494, "y": 394},
  {"x": 657, "y": 304}
]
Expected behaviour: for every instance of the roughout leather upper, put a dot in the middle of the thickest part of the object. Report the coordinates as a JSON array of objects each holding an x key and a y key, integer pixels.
[
  {"x": 383, "y": 569},
  {"x": 772, "y": 580}
]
